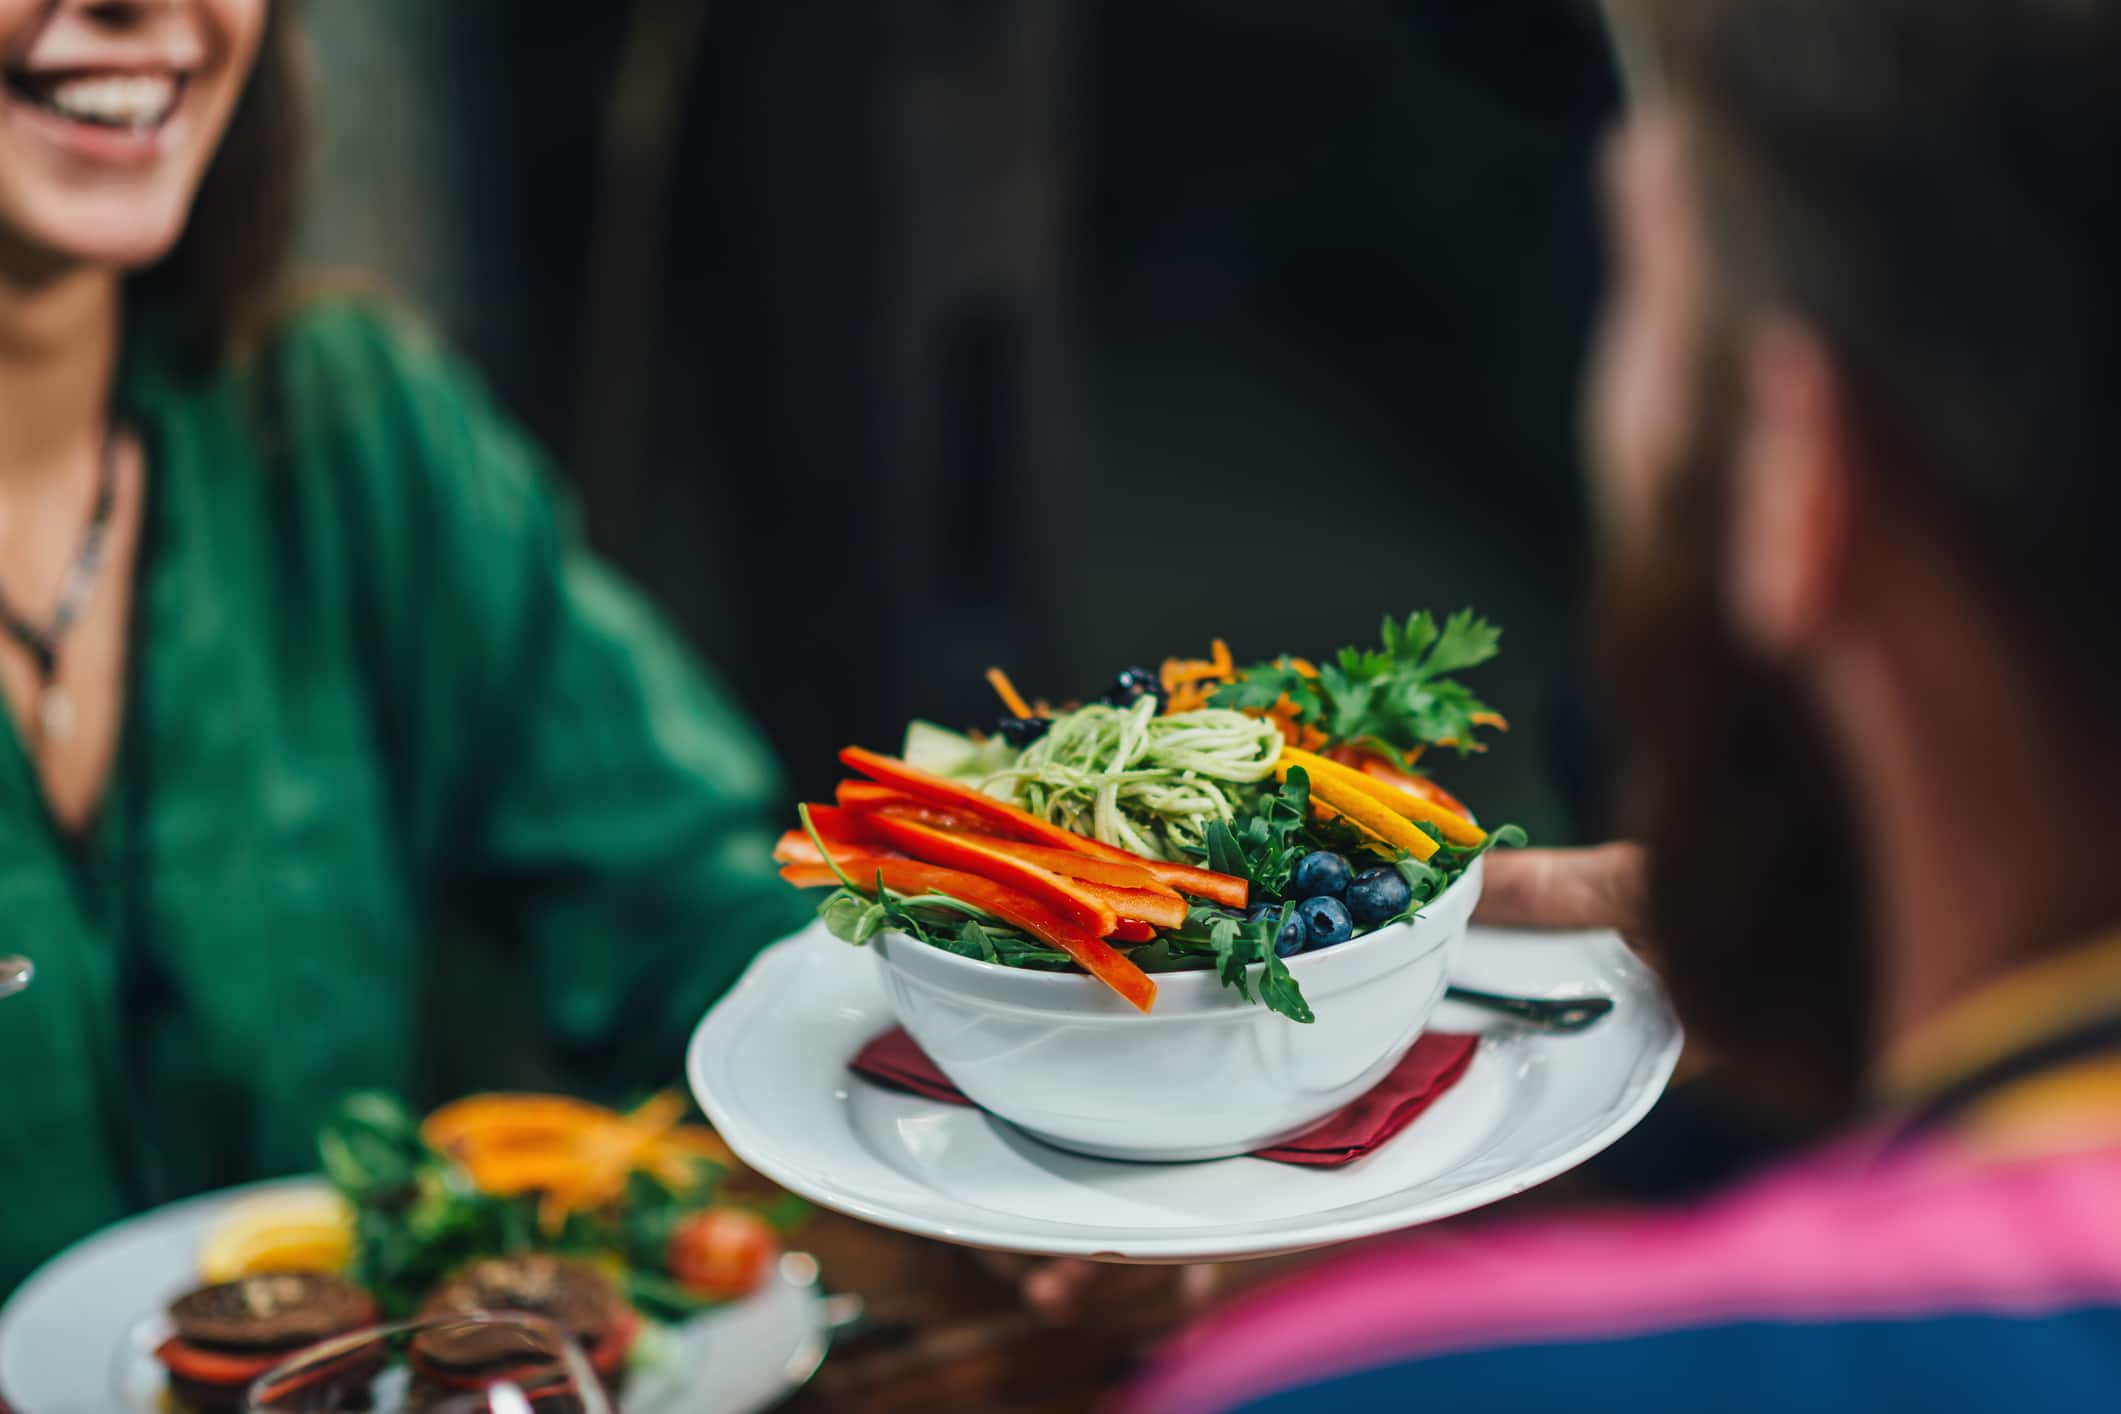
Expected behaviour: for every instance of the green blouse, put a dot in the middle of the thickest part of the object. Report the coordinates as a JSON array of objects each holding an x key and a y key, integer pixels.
[{"x": 382, "y": 700}]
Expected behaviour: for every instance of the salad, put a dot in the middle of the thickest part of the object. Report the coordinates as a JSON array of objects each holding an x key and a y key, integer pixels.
[
  {"x": 614, "y": 1226},
  {"x": 637, "y": 1194},
  {"x": 1204, "y": 816}
]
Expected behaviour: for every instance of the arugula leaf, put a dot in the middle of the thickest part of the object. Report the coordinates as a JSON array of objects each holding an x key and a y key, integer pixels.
[
  {"x": 1278, "y": 989},
  {"x": 1506, "y": 837},
  {"x": 1224, "y": 854},
  {"x": 970, "y": 940},
  {"x": 1232, "y": 947},
  {"x": 1264, "y": 844},
  {"x": 1231, "y": 957},
  {"x": 851, "y": 917},
  {"x": 1016, "y": 950}
]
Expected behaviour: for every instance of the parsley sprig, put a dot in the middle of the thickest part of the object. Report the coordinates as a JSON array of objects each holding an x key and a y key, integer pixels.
[{"x": 1399, "y": 697}]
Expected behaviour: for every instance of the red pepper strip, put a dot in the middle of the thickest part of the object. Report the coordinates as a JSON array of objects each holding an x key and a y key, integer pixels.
[
  {"x": 1068, "y": 897},
  {"x": 1146, "y": 909},
  {"x": 910, "y": 876},
  {"x": 1112, "y": 873},
  {"x": 795, "y": 847},
  {"x": 834, "y": 823},
  {"x": 861, "y": 796},
  {"x": 860, "y": 864},
  {"x": 1157, "y": 906},
  {"x": 1008, "y": 820}
]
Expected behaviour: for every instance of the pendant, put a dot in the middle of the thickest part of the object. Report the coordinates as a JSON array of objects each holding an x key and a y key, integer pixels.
[{"x": 55, "y": 714}]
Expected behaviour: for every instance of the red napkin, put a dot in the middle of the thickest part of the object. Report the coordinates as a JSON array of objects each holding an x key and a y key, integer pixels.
[{"x": 1431, "y": 1068}]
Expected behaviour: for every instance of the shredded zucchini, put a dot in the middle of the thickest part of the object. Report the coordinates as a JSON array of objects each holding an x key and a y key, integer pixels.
[{"x": 1142, "y": 782}]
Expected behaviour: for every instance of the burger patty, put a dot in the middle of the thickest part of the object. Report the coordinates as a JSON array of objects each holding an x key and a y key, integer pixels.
[
  {"x": 572, "y": 1295},
  {"x": 271, "y": 1311}
]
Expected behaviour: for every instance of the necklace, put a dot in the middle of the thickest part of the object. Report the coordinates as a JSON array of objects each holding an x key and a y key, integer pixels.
[{"x": 54, "y": 714}]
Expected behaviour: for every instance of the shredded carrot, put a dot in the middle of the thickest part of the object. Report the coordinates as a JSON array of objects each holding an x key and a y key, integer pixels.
[
  {"x": 1187, "y": 697},
  {"x": 1006, "y": 690},
  {"x": 1190, "y": 683},
  {"x": 1491, "y": 719}
]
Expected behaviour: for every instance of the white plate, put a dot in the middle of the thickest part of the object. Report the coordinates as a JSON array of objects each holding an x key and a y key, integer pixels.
[
  {"x": 769, "y": 1064},
  {"x": 77, "y": 1337}
]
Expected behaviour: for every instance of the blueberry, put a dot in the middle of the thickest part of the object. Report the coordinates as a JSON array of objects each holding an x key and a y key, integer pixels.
[
  {"x": 1378, "y": 894},
  {"x": 1022, "y": 731},
  {"x": 1131, "y": 686},
  {"x": 1294, "y": 935},
  {"x": 1319, "y": 874},
  {"x": 1326, "y": 920}
]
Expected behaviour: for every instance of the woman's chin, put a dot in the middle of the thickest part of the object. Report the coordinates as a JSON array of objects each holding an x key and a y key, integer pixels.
[{"x": 122, "y": 243}]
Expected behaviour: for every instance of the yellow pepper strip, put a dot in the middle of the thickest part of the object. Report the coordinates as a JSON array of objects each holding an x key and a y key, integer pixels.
[
  {"x": 1455, "y": 828},
  {"x": 572, "y": 1154},
  {"x": 1359, "y": 807},
  {"x": 1326, "y": 812}
]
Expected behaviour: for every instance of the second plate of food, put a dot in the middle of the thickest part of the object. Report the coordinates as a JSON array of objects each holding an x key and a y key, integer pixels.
[{"x": 80, "y": 1335}]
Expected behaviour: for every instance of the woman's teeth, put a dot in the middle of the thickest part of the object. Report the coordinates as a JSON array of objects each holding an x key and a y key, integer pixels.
[{"x": 113, "y": 101}]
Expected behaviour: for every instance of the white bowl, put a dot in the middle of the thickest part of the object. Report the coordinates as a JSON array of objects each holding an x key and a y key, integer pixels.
[{"x": 1203, "y": 1076}]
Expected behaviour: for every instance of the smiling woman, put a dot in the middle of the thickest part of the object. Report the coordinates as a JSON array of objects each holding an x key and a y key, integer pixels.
[
  {"x": 114, "y": 111},
  {"x": 304, "y": 665}
]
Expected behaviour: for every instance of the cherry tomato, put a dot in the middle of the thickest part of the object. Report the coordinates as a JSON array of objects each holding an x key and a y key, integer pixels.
[{"x": 722, "y": 1253}]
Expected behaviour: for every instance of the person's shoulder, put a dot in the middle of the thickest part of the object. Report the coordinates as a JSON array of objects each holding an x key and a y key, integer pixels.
[
  {"x": 325, "y": 341},
  {"x": 1921, "y": 1254},
  {"x": 394, "y": 468},
  {"x": 372, "y": 406}
]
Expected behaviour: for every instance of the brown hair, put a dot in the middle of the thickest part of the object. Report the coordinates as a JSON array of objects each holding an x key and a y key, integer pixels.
[
  {"x": 1929, "y": 185},
  {"x": 218, "y": 287}
]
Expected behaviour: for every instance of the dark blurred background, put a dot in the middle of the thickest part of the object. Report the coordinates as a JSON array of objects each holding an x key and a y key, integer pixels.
[{"x": 886, "y": 341}]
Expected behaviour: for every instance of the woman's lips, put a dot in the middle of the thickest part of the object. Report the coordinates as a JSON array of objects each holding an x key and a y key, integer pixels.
[{"x": 112, "y": 117}]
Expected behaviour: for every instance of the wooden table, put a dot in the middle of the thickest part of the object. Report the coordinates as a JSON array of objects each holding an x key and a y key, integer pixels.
[{"x": 943, "y": 1332}]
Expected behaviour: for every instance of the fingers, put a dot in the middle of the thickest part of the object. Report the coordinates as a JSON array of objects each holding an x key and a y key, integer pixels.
[
  {"x": 1070, "y": 1291},
  {"x": 1055, "y": 1290},
  {"x": 1599, "y": 887}
]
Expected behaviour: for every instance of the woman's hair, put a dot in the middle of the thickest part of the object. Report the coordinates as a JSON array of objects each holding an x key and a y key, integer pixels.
[{"x": 217, "y": 288}]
